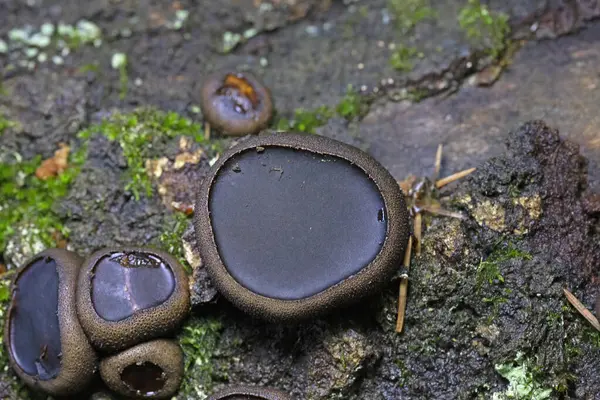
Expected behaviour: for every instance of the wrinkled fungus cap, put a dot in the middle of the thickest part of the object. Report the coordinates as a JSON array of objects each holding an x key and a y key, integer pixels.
[
  {"x": 242, "y": 392},
  {"x": 151, "y": 370},
  {"x": 236, "y": 103},
  {"x": 129, "y": 295},
  {"x": 291, "y": 226},
  {"x": 47, "y": 347}
]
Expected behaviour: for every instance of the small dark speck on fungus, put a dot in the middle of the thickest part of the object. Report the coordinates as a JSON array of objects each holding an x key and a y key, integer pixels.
[
  {"x": 47, "y": 347},
  {"x": 236, "y": 103}
]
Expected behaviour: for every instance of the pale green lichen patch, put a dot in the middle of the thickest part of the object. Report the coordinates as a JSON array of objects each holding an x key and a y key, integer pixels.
[
  {"x": 524, "y": 380},
  {"x": 35, "y": 45},
  {"x": 533, "y": 209},
  {"x": 489, "y": 214}
]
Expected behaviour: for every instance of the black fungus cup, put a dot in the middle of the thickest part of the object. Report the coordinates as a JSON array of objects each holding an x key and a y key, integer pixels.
[
  {"x": 151, "y": 370},
  {"x": 46, "y": 345},
  {"x": 291, "y": 226},
  {"x": 249, "y": 393},
  {"x": 127, "y": 296},
  {"x": 236, "y": 103}
]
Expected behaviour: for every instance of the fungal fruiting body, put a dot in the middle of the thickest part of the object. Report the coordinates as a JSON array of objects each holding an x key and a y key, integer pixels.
[
  {"x": 149, "y": 370},
  {"x": 46, "y": 345},
  {"x": 236, "y": 103},
  {"x": 128, "y": 296},
  {"x": 246, "y": 392},
  {"x": 291, "y": 225}
]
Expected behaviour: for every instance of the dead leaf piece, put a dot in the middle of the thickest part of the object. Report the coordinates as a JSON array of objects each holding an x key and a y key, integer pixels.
[
  {"x": 55, "y": 165},
  {"x": 187, "y": 158},
  {"x": 582, "y": 310}
]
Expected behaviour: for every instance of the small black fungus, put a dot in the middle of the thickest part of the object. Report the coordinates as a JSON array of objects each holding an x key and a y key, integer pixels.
[
  {"x": 151, "y": 370},
  {"x": 249, "y": 393},
  {"x": 308, "y": 224},
  {"x": 46, "y": 345},
  {"x": 127, "y": 296},
  {"x": 236, "y": 103}
]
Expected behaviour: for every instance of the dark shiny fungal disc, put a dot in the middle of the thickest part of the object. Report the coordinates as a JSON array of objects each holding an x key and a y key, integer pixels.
[
  {"x": 236, "y": 103},
  {"x": 46, "y": 345},
  {"x": 151, "y": 370},
  {"x": 292, "y": 225},
  {"x": 127, "y": 296},
  {"x": 249, "y": 393},
  {"x": 125, "y": 283}
]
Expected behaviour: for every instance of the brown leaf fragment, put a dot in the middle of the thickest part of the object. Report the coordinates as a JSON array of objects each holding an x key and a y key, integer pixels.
[{"x": 55, "y": 165}]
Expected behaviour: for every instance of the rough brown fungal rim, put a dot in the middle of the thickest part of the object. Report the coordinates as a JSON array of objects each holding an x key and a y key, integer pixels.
[
  {"x": 351, "y": 289},
  {"x": 166, "y": 354},
  {"x": 254, "y": 391},
  {"x": 236, "y": 127},
  {"x": 79, "y": 360},
  {"x": 149, "y": 323}
]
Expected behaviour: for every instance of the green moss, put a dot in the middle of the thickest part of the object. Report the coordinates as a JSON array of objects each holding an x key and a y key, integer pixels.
[
  {"x": 4, "y": 300},
  {"x": 138, "y": 134},
  {"x": 402, "y": 58},
  {"x": 353, "y": 105},
  {"x": 4, "y": 124},
  {"x": 199, "y": 340},
  {"x": 591, "y": 336},
  {"x": 170, "y": 239},
  {"x": 485, "y": 28},
  {"x": 27, "y": 201},
  {"x": 408, "y": 13},
  {"x": 304, "y": 120},
  {"x": 524, "y": 380},
  {"x": 488, "y": 269}
]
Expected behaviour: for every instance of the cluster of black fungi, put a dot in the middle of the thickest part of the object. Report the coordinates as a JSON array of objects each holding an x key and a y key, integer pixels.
[
  {"x": 115, "y": 309},
  {"x": 289, "y": 227}
]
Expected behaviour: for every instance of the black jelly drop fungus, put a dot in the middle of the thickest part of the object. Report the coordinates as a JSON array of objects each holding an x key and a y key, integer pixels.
[
  {"x": 46, "y": 345},
  {"x": 246, "y": 392},
  {"x": 318, "y": 215},
  {"x": 126, "y": 296},
  {"x": 125, "y": 283},
  {"x": 151, "y": 370},
  {"x": 236, "y": 103},
  {"x": 291, "y": 225},
  {"x": 34, "y": 331}
]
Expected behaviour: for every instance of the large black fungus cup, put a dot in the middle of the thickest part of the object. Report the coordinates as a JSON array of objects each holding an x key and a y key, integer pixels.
[
  {"x": 47, "y": 347},
  {"x": 291, "y": 226},
  {"x": 128, "y": 296},
  {"x": 243, "y": 392}
]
